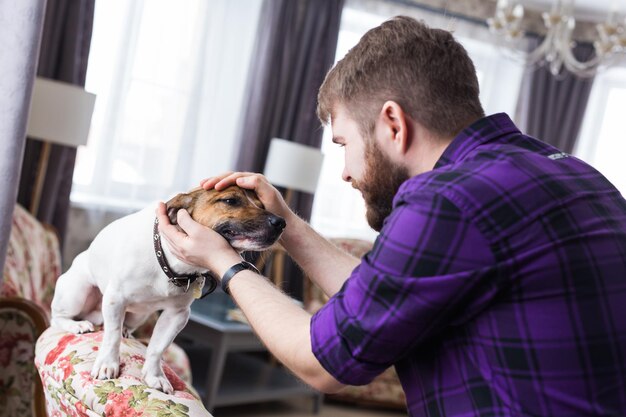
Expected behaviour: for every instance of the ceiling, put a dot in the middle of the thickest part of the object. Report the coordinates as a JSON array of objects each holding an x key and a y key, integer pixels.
[{"x": 595, "y": 10}]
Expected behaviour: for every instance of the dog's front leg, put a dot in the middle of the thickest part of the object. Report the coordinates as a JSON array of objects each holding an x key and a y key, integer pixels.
[
  {"x": 170, "y": 323},
  {"x": 107, "y": 364}
]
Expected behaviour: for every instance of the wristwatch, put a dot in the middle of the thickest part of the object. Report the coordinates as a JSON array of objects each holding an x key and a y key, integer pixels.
[{"x": 234, "y": 270}]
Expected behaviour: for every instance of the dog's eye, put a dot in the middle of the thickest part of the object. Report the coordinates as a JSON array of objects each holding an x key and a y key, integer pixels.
[{"x": 230, "y": 201}]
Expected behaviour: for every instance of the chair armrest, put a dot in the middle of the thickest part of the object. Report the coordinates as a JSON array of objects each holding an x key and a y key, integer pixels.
[{"x": 64, "y": 361}]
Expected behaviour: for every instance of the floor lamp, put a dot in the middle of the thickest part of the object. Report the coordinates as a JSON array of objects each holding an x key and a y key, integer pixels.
[
  {"x": 295, "y": 167},
  {"x": 60, "y": 113}
]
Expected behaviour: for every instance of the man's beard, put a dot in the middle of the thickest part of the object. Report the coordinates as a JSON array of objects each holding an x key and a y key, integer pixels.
[{"x": 379, "y": 185}]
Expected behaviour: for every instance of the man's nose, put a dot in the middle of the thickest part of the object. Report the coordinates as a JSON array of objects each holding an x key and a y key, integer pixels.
[
  {"x": 345, "y": 176},
  {"x": 277, "y": 222}
]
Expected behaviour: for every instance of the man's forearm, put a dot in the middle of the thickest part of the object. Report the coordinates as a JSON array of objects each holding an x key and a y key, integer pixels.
[
  {"x": 282, "y": 326},
  {"x": 324, "y": 263}
]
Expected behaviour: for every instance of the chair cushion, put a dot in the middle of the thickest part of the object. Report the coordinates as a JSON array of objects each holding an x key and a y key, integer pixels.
[{"x": 64, "y": 361}]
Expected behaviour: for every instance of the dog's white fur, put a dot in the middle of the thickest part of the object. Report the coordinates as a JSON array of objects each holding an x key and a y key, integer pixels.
[{"x": 121, "y": 265}]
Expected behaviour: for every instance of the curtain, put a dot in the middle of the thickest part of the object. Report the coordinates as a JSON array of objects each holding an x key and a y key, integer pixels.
[
  {"x": 20, "y": 32},
  {"x": 63, "y": 56},
  {"x": 170, "y": 78},
  {"x": 551, "y": 108},
  {"x": 295, "y": 48}
]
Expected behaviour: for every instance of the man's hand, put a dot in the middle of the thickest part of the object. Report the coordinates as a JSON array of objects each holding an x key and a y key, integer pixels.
[
  {"x": 324, "y": 263},
  {"x": 268, "y": 194},
  {"x": 196, "y": 245}
]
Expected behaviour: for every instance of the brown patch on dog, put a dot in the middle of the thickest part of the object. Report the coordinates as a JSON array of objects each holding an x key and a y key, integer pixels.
[
  {"x": 235, "y": 213},
  {"x": 207, "y": 207}
]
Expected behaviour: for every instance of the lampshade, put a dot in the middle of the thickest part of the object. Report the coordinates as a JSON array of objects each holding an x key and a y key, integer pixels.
[
  {"x": 293, "y": 166},
  {"x": 60, "y": 113}
]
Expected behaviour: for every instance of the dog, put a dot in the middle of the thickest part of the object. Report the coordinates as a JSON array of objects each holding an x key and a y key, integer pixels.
[{"x": 128, "y": 273}]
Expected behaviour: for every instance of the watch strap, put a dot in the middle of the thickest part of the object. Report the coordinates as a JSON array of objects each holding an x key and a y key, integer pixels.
[{"x": 233, "y": 270}]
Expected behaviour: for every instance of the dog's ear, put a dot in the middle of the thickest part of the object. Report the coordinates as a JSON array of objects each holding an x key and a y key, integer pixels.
[{"x": 181, "y": 201}]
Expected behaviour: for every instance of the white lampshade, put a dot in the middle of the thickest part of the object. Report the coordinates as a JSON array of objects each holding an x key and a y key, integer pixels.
[
  {"x": 293, "y": 166},
  {"x": 60, "y": 113}
]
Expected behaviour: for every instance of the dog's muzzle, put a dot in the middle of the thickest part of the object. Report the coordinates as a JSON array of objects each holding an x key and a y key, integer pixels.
[{"x": 255, "y": 235}]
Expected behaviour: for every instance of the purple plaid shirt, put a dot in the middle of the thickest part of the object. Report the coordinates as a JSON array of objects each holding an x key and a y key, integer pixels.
[{"x": 496, "y": 287}]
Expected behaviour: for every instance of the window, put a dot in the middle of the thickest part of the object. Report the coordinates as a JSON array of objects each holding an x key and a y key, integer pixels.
[
  {"x": 339, "y": 209},
  {"x": 602, "y": 141},
  {"x": 169, "y": 78}
]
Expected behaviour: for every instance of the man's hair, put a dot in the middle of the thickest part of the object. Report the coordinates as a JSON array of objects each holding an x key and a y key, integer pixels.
[{"x": 426, "y": 71}]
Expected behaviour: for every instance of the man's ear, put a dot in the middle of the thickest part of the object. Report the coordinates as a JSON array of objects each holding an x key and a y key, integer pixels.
[
  {"x": 395, "y": 126},
  {"x": 180, "y": 201}
]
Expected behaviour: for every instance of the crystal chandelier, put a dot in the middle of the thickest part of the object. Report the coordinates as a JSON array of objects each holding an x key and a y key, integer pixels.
[{"x": 556, "y": 48}]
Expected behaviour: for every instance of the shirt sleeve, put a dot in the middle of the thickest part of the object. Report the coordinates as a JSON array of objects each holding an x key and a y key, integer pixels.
[{"x": 429, "y": 268}]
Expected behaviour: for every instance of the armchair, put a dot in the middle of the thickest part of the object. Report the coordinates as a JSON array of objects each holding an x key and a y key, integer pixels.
[{"x": 31, "y": 267}]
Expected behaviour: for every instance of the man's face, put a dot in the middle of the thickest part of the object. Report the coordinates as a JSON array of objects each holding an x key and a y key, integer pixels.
[
  {"x": 379, "y": 185},
  {"x": 367, "y": 168}
]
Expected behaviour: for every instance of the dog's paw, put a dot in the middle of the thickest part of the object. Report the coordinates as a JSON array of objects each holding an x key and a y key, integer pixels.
[
  {"x": 159, "y": 382},
  {"x": 72, "y": 326},
  {"x": 105, "y": 369},
  {"x": 83, "y": 326}
]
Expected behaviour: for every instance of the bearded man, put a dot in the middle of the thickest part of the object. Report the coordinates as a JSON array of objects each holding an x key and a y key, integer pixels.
[{"x": 497, "y": 285}]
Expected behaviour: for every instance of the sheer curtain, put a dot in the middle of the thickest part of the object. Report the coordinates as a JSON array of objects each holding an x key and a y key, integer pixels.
[
  {"x": 169, "y": 78},
  {"x": 338, "y": 209},
  {"x": 602, "y": 141}
]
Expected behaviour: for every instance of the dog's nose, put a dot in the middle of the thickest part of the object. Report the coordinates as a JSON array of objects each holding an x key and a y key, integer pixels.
[{"x": 277, "y": 222}]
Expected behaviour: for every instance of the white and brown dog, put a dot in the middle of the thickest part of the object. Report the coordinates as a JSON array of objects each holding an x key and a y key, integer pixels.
[{"x": 128, "y": 273}]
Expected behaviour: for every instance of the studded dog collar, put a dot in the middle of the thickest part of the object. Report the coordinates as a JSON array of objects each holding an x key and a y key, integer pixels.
[{"x": 180, "y": 280}]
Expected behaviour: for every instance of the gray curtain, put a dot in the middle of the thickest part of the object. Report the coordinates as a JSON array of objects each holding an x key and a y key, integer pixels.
[
  {"x": 20, "y": 34},
  {"x": 64, "y": 52},
  {"x": 295, "y": 48},
  {"x": 552, "y": 108}
]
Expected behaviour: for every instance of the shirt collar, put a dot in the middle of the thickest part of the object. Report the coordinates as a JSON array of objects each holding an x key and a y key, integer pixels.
[{"x": 482, "y": 131}]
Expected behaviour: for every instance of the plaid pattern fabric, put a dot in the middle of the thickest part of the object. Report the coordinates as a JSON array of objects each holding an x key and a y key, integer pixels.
[{"x": 497, "y": 286}]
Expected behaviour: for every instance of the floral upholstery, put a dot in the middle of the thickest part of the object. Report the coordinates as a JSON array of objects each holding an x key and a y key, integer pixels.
[
  {"x": 65, "y": 360},
  {"x": 33, "y": 261},
  {"x": 21, "y": 322},
  {"x": 385, "y": 390},
  {"x": 30, "y": 273},
  {"x": 32, "y": 265},
  {"x": 16, "y": 355}
]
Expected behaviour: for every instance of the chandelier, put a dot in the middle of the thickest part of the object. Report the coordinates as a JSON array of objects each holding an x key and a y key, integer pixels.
[{"x": 556, "y": 48}]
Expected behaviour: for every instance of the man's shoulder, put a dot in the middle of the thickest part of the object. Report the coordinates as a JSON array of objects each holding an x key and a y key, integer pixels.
[
  {"x": 505, "y": 185},
  {"x": 495, "y": 169},
  {"x": 480, "y": 176}
]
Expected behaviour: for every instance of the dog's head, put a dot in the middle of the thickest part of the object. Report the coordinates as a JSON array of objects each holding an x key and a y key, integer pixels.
[{"x": 236, "y": 214}]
